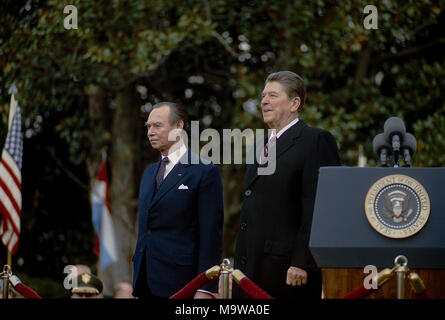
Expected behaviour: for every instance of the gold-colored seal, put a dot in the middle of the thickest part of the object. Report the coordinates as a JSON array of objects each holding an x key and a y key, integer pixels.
[
  {"x": 397, "y": 206},
  {"x": 86, "y": 278}
]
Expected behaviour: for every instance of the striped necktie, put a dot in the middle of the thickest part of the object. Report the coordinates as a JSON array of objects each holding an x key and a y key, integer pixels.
[
  {"x": 269, "y": 144},
  {"x": 161, "y": 172}
]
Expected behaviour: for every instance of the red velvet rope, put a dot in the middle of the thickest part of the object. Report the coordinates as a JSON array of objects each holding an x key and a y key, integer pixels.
[
  {"x": 191, "y": 287},
  {"x": 253, "y": 290},
  {"x": 424, "y": 294},
  {"x": 246, "y": 284},
  {"x": 26, "y": 291},
  {"x": 359, "y": 293}
]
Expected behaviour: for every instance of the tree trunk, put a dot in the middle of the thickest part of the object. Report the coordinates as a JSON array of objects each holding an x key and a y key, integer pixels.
[
  {"x": 97, "y": 110},
  {"x": 289, "y": 43},
  {"x": 233, "y": 184},
  {"x": 362, "y": 64},
  {"x": 123, "y": 193}
]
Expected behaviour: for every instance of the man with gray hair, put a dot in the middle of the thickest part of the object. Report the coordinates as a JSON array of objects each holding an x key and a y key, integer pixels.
[
  {"x": 180, "y": 212},
  {"x": 272, "y": 247}
]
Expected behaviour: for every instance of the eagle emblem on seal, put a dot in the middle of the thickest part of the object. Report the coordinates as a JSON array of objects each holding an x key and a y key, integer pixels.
[{"x": 396, "y": 206}]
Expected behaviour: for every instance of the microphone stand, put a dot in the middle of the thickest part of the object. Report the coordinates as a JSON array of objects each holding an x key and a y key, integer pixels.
[
  {"x": 396, "y": 149},
  {"x": 383, "y": 157},
  {"x": 406, "y": 158}
]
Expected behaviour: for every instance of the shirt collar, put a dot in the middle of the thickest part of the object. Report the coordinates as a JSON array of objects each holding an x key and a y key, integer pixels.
[
  {"x": 284, "y": 129},
  {"x": 176, "y": 155}
]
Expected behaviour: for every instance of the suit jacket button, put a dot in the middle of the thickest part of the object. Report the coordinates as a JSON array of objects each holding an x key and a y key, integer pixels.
[
  {"x": 148, "y": 231},
  {"x": 243, "y": 226},
  {"x": 248, "y": 192},
  {"x": 243, "y": 260}
]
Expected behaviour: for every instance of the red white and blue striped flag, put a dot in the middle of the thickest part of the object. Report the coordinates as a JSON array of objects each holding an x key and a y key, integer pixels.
[
  {"x": 102, "y": 219},
  {"x": 11, "y": 179}
]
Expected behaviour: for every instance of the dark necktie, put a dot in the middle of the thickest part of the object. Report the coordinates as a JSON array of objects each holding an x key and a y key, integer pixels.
[
  {"x": 161, "y": 171},
  {"x": 269, "y": 144}
]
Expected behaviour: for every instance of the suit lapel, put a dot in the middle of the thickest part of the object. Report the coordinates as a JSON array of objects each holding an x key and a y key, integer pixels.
[
  {"x": 152, "y": 183},
  {"x": 289, "y": 137},
  {"x": 286, "y": 140},
  {"x": 251, "y": 174},
  {"x": 251, "y": 169}
]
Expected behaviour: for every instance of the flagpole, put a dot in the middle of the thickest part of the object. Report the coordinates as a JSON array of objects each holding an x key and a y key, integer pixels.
[
  {"x": 99, "y": 271},
  {"x": 9, "y": 259}
]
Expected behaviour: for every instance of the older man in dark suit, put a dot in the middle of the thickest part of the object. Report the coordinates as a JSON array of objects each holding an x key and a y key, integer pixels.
[
  {"x": 180, "y": 212},
  {"x": 275, "y": 223}
]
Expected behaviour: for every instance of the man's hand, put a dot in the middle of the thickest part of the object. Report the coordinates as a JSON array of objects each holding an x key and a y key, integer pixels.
[{"x": 296, "y": 276}]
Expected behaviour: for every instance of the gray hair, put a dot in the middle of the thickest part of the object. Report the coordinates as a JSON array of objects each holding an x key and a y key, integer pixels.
[
  {"x": 293, "y": 85},
  {"x": 177, "y": 112}
]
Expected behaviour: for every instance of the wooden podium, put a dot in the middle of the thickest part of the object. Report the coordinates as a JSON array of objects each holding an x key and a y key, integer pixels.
[{"x": 368, "y": 216}]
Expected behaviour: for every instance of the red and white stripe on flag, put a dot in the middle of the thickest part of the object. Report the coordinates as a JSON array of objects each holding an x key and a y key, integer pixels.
[{"x": 11, "y": 180}]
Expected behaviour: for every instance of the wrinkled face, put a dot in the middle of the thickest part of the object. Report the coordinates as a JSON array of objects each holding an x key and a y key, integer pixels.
[
  {"x": 159, "y": 127},
  {"x": 278, "y": 110}
]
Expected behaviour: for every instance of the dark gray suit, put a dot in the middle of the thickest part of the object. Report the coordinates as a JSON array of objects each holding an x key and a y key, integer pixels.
[{"x": 277, "y": 211}]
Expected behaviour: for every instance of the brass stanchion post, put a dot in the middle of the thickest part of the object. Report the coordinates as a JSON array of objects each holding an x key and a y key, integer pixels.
[
  {"x": 401, "y": 263},
  {"x": 226, "y": 269},
  {"x": 5, "y": 277}
]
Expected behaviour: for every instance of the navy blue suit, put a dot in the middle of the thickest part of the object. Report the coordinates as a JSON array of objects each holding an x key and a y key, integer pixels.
[{"x": 179, "y": 230}]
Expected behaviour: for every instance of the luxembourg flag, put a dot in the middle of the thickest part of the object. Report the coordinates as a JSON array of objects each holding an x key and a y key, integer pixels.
[{"x": 102, "y": 220}]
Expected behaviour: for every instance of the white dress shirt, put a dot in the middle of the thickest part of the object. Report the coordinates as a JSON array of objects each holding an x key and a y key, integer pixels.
[
  {"x": 284, "y": 129},
  {"x": 174, "y": 158},
  {"x": 275, "y": 135}
]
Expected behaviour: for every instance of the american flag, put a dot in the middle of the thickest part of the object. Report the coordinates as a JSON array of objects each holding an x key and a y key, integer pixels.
[{"x": 11, "y": 180}]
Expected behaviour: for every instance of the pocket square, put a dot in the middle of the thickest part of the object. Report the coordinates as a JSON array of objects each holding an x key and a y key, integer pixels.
[{"x": 183, "y": 187}]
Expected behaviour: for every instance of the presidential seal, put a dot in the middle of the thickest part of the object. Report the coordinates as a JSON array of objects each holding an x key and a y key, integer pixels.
[{"x": 397, "y": 206}]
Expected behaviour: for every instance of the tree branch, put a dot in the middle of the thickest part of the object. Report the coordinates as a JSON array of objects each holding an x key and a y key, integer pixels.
[
  {"x": 225, "y": 44},
  {"x": 71, "y": 175},
  {"x": 362, "y": 64},
  {"x": 413, "y": 49}
]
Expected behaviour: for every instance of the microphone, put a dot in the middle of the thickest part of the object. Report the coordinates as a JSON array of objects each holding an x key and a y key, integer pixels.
[
  {"x": 382, "y": 148},
  {"x": 408, "y": 148},
  {"x": 394, "y": 131}
]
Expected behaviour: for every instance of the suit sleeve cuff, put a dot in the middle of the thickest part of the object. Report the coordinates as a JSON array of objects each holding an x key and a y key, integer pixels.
[{"x": 205, "y": 291}]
